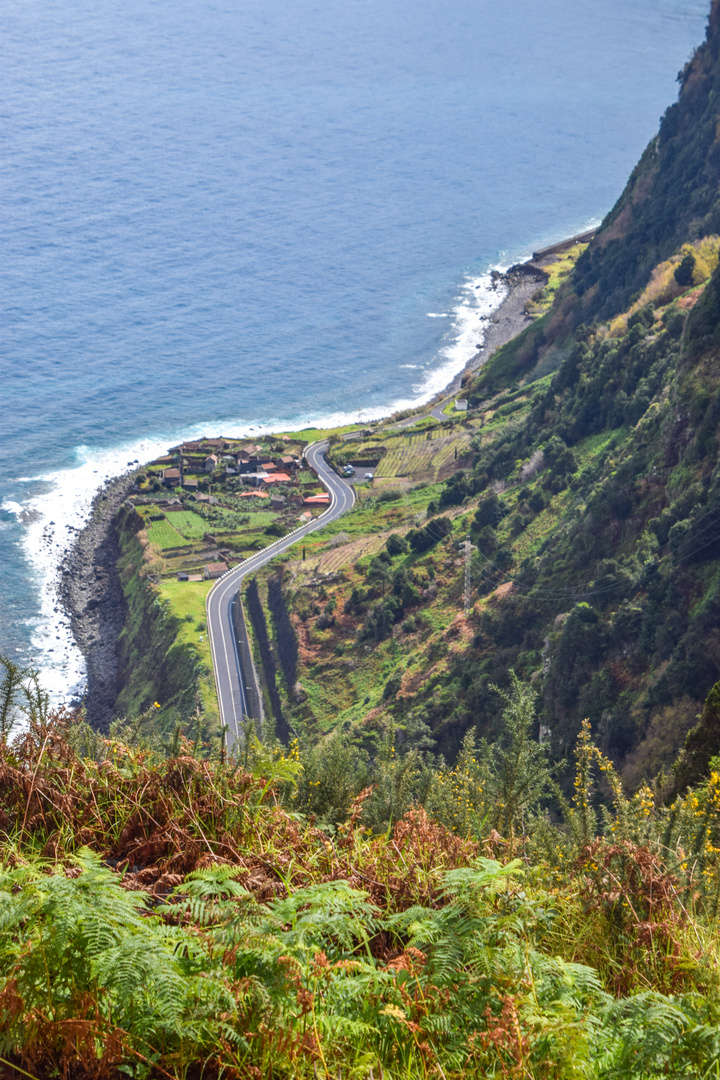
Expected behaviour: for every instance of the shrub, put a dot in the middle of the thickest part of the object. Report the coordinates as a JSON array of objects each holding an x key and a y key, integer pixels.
[{"x": 396, "y": 544}]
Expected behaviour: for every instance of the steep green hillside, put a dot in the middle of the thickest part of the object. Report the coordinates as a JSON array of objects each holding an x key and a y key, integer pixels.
[
  {"x": 671, "y": 199},
  {"x": 590, "y": 493},
  {"x": 163, "y": 652}
]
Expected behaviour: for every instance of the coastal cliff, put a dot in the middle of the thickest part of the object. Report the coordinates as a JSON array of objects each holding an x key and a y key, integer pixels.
[{"x": 91, "y": 592}]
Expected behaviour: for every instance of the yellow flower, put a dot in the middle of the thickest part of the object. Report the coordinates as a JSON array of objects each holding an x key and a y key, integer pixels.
[
  {"x": 394, "y": 1011},
  {"x": 156, "y": 704}
]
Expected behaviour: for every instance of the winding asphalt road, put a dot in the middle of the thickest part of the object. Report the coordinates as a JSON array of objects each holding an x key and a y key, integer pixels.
[{"x": 229, "y": 679}]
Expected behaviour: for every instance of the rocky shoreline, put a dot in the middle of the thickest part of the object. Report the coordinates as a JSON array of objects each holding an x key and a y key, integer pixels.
[
  {"x": 90, "y": 591},
  {"x": 511, "y": 317}
]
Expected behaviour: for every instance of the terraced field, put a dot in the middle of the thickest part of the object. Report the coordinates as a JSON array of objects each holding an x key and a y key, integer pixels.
[{"x": 422, "y": 458}]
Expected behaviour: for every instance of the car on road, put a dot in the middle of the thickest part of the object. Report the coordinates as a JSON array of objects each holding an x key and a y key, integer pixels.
[{"x": 368, "y": 476}]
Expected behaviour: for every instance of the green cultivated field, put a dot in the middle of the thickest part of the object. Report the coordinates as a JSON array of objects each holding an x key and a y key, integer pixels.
[
  {"x": 187, "y": 600},
  {"x": 188, "y": 523},
  {"x": 164, "y": 535}
]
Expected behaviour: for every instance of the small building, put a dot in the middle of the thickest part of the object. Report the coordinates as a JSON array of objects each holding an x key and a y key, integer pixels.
[
  {"x": 461, "y": 405},
  {"x": 195, "y": 577},
  {"x": 210, "y": 462},
  {"x": 170, "y": 477},
  {"x": 214, "y": 444},
  {"x": 200, "y": 496},
  {"x": 317, "y": 500},
  {"x": 189, "y": 484},
  {"x": 269, "y": 466},
  {"x": 307, "y": 516},
  {"x": 214, "y": 570},
  {"x": 190, "y": 447},
  {"x": 182, "y": 575},
  {"x": 277, "y": 502},
  {"x": 249, "y": 465}
]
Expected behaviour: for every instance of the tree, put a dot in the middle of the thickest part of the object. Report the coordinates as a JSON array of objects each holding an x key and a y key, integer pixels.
[
  {"x": 396, "y": 544},
  {"x": 559, "y": 457},
  {"x": 516, "y": 770},
  {"x": 489, "y": 512},
  {"x": 684, "y": 272}
]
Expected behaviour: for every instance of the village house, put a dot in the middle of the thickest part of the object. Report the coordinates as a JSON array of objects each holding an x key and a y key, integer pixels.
[
  {"x": 210, "y": 463},
  {"x": 249, "y": 465},
  {"x": 189, "y": 484},
  {"x": 170, "y": 477},
  {"x": 316, "y": 500},
  {"x": 277, "y": 502},
  {"x": 214, "y": 570}
]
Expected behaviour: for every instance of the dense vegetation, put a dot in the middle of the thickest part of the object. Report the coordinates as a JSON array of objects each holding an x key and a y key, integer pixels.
[{"x": 167, "y": 914}]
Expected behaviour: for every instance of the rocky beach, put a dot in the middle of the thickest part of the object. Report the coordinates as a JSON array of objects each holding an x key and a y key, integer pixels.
[{"x": 91, "y": 593}]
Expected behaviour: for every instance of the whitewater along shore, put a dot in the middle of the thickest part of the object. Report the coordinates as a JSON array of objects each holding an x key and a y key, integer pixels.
[
  {"x": 522, "y": 280},
  {"x": 90, "y": 591}
]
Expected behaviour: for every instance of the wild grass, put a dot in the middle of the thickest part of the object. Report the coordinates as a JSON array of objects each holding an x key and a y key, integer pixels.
[{"x": 557, "y": 272}]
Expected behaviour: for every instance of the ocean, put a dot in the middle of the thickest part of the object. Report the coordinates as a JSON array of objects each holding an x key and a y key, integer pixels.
[{"x": 231, "y": 217}]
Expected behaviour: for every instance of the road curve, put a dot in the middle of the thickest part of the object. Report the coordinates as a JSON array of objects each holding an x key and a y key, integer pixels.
[{"x": 231, "y": 686}]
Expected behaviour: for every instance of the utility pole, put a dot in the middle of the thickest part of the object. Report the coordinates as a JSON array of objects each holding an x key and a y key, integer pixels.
[{"x": 468, "y": 581}]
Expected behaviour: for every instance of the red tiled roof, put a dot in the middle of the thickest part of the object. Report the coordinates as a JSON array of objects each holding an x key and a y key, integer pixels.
[
  {"x": 314, "y": 500},
  {"x": 277, "y": 478},
  {"x": 254, "y": 495}
]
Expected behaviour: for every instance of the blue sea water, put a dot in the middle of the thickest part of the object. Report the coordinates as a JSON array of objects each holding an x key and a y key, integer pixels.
[{"x": 239, "y": 214}]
